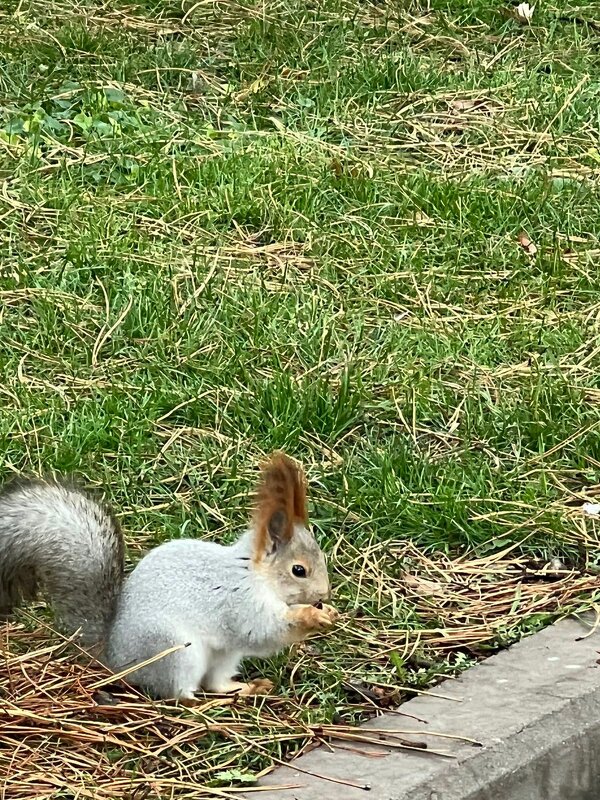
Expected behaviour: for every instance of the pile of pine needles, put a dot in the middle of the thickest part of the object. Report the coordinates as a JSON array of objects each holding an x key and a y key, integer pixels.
[{"x": 66, "y": 730}]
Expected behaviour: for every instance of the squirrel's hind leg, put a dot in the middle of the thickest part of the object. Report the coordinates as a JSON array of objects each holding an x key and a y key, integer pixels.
[
  {"x": 220, "y": 671},
  {"x": 190, "y": 670},
  {"x": 177, "y": 675},
  {"x": 219, "y": 677}
]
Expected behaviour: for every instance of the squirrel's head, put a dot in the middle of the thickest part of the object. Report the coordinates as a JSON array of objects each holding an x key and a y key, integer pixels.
[{"x": 284, "y": 549}]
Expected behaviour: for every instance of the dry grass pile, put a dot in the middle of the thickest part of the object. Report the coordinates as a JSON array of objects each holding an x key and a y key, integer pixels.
[{"x": 66, "y": 731}]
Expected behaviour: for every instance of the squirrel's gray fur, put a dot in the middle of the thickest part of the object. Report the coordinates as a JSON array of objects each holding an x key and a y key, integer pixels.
[
  {"x": 57, "y": 539},
  {"x": 215, "y": 604}
]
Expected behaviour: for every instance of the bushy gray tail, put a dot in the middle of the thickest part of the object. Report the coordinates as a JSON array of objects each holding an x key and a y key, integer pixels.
[{"x": 58, "y": 540}]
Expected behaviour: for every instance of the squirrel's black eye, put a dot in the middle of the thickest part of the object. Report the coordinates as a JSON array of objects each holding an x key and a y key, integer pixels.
[{"x": 298, "y": 571}]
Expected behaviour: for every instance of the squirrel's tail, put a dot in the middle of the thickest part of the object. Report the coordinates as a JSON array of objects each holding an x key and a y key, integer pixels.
[{"x": 56, "y": 539}]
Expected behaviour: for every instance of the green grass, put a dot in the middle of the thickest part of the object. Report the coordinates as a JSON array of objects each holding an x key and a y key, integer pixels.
[{"x": 236, "y": 227}]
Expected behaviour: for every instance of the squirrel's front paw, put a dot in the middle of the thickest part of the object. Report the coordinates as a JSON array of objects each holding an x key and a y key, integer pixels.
[
  {"x": 325, "y": 616},
  {"x": 332, "y": 614},
  {"x": 310, "y": 618}
]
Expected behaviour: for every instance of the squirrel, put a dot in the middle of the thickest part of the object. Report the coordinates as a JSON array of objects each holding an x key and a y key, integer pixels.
[{"x": 207, "y": 605}]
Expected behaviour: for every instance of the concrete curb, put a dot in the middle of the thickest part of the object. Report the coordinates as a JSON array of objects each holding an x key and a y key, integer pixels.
[{"x": 535, "y": 709}]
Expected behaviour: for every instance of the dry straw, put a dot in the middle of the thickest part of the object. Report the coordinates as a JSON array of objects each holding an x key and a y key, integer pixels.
[{"x": 60, "y": 736}]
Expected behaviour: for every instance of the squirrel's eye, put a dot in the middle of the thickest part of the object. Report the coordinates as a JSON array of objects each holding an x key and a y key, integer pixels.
[{"x": 298, "y": 571}]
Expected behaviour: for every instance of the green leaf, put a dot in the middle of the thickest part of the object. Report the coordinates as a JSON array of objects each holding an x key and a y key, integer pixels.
[
  {"x": 236, "y": 775},
  {"x": 83, "y": 121}
]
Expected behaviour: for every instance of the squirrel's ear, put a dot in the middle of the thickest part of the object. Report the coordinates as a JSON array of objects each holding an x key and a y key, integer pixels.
[
  {"x": 278, "y": 527},
  {"x": 281, "y": 501}
]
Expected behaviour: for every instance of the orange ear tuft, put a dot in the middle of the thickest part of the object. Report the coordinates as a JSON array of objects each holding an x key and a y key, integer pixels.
[{"x": 281, "y": 501}]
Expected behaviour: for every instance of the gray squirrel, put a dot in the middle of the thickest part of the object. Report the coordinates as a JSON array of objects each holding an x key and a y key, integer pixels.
[{"x": 209, "y": 604}]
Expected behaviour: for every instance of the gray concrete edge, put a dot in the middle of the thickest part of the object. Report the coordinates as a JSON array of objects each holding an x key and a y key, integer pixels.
[{"x": 535, "y": 709}]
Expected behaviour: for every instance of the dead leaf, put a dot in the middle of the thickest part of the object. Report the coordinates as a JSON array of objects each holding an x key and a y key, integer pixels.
[
  {"x": 421, "y": 586},
  {"x": 464, "y": 105},
  {"x": 528, "y": 246},
  {"x": 382, "y": 697},
  {"x": 591, "y": 509},
  {"x": 524, "y": 12},
  {"x": 338, "y": 168}
]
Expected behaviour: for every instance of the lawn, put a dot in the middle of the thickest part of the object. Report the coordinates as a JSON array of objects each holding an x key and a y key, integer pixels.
[{"x": 367, "y": 233}]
